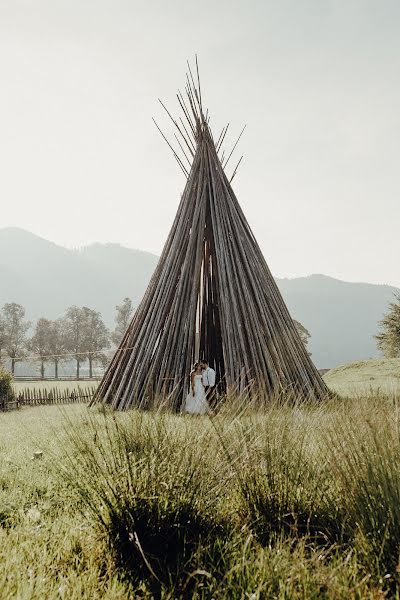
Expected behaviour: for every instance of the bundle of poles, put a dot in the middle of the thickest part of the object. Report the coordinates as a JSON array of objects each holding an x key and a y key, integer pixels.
[{"x": 212, "y": 295}]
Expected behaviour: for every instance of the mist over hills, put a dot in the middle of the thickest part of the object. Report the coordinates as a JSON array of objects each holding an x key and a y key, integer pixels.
[
  {"x": 341, "y": 316},
  {"x": 46, "y": 278}
]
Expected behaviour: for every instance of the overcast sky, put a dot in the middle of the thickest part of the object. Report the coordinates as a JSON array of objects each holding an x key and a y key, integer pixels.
[{"x": 316, "y": 81}]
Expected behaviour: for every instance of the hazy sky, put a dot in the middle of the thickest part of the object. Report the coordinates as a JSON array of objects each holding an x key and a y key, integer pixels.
[{"x": 316, "y": 81}]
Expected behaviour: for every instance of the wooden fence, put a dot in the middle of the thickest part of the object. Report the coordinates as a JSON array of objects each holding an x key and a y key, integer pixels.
[
  {"x": 55, "y": 379},
  {"x": 32, "y": 397}
]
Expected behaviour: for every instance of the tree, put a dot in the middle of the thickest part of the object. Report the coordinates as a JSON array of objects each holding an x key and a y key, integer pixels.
[
  {"x": 122, "y": 320},
  {"x": 15, "y": 328},
  {"x": 85, "y": 336},
  {"x": 2, "y": 335},
  {"x": 303, "y": 333},
  {"x": 40, "y": 342},
  {"x": 74, "y": 335},
  {"x": 57, "y": 343},
  {"x": 96, "y": 337},
  {"x": 388, "y": 340}
]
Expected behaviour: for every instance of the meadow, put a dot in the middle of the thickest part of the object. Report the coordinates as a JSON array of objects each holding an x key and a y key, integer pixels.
[
  {"x": 376, "y": 376},
  {"x": 286, "y": 501}
]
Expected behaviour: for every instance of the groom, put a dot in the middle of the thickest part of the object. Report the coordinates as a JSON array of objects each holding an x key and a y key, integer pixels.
[{"x": 208, "y": 381}]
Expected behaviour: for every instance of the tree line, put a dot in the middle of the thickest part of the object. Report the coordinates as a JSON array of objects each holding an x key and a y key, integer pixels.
[{"x": 80, "y": 334}]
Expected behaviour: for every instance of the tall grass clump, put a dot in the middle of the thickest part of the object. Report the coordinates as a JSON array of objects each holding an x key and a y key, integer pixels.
[
  {"x": 286, "y": 499},
  {"x": 150, "y": 484},
  {"x": 364, "y": 451},
  {"x": 281, "y": 474}
]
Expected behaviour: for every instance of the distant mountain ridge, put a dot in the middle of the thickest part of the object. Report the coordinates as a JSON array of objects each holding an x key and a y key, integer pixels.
[
  {"x": 46, "y": 278},
  {"x": 341, "y": 316}
]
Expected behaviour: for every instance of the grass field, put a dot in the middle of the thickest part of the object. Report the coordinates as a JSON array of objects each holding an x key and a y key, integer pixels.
[
  {"x": 291, "y": 502},
  {"x": 366, "y": 376}
]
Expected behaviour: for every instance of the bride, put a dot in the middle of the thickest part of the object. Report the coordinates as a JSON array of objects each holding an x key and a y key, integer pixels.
[{"x": 196, "y": 403}]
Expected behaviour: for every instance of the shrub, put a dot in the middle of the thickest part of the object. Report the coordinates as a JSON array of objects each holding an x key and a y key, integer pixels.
[{"x": 6, "y": 389}]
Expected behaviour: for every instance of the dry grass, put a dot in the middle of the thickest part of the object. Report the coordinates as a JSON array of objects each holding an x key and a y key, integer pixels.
[{"x": 366, "y": 377}]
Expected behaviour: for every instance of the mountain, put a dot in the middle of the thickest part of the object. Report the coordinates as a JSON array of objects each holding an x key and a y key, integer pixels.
[
  {"x": 46, "y": 278},
  {"x": 341, "y": 317}
]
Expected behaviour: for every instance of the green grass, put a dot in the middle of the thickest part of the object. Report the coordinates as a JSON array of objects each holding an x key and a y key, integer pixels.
[
  {"x": 287, "y": 502},
  {"x": 366, "y": 377}
]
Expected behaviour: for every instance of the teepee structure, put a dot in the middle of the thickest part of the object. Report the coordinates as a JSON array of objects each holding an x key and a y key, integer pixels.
[{"x": 211, "y": 296}]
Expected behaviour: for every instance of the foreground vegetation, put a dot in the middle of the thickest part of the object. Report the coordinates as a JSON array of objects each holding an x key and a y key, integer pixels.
[{"x": 284, "y": 502}]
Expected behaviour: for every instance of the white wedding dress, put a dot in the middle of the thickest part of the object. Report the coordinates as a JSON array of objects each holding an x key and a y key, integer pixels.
[{"x": 197, "y": 404}]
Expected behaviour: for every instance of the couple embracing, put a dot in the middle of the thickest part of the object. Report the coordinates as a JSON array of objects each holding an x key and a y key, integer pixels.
[{"x": 202, "y": 382}]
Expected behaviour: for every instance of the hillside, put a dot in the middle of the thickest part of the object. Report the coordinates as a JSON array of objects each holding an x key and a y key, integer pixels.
[
  {"x": 365, "y": 376},
  {"x": 341, "y": 316},
  {"x": 47, "y": 278}
]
